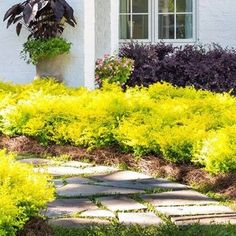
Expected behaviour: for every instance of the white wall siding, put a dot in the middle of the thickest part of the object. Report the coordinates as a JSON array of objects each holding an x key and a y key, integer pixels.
[
  {"x": 107, "y": 27},
  {"x": 12, "y": 67},
  {"x": 217, "y": 22}
]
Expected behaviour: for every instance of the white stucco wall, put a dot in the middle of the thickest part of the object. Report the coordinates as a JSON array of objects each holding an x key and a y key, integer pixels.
[
  {"x": 107, "y": 27},
  {"x": 217, "y": 22},
  {"x": 11, "y": 66}
]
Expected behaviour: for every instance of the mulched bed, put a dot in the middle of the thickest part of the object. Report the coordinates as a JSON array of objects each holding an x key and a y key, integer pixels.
[
  {"x": 36, "y": 227},
  {"x": 188, "y": 174}
]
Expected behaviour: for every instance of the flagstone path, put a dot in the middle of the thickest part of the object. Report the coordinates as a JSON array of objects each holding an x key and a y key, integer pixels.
[{"x": 88, "y": 194}]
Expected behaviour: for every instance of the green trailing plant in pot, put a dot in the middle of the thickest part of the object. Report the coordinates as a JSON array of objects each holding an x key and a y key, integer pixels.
[{"x": 46, "y": 21}]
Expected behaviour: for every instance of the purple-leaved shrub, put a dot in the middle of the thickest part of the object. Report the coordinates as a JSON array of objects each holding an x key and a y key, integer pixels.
[{"x": 204, "y": 67}]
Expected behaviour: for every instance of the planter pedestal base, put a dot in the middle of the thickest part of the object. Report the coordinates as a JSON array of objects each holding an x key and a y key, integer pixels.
[{"x": 54, "y": 68}]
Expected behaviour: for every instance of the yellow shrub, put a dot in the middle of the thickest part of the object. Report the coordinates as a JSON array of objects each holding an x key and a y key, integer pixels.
[
  {"x": 177, "y": 123},
  {"x": 218, "y": 151},
  {"x": 22, "y": 192}
]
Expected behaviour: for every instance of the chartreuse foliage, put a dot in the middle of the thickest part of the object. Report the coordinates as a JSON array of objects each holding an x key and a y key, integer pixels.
[
  {"x": 36, "y": 50},
  {"x": 180, "y": 124},
  {"x": 22, "y": 194}
]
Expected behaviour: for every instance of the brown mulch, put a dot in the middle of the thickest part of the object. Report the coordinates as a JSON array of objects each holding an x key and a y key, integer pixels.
[
  {"x": 156, "y": 166},
  {"x": 36, "y": 227}
]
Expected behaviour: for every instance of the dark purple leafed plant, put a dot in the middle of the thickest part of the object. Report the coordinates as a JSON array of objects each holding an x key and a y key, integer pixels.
[
  {"x": 43, "y": 18},
  {"x": 212, "y": 68}
]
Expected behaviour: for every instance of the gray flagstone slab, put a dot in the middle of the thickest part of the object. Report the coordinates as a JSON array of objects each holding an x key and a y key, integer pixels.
[
  {"x": 178, "y": 198},
  {"x": 145, "y": 184},
  {"x": 194, "y": 210},
  {"x": 58, "y": 183},
  {"x": 147, "y": 218},
  {"x": 98, "y": 214},
  {"x": 60, "y": 170},
  {"x": 121, "y": 176},
  {"x": 62, "y": 207},
  {"x": 205, "y": 220},
  {"x": 37, "y": 161},
  {"x": 64, "y": 170},
  {"x": 162, "y": 183},
  {"x": 76, "y": 164},
  {"x": 74, "y": 190},
  {"x": 117, "y": 203},
  {"x": 78, "y": 180}
]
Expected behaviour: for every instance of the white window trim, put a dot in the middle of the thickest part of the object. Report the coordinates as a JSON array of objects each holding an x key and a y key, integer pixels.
[
  {"x": 153, "y": 26},
  {"x": 149, "y": 24}
]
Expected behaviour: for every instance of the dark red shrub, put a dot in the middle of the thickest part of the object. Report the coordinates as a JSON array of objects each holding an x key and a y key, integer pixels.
[{"x": 212, "y": 68}]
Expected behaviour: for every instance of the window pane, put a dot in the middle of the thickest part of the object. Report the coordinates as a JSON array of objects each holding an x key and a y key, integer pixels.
[
  {"x": 140, "y": 27},
  {"x": 166, "y": 26},
  {"x": 184, "y": 26},
  {"x": 166, "y": 6},
  {"x": 184, "y": 5},
  {"x": 125, "y": 27},
  {"x": 140, "y": 6},
  {"x": 125, "y": 6}
]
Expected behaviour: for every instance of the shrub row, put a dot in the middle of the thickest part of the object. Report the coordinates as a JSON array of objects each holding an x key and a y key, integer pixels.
[
  {"x": 211, "y": 68},
  {"x": 23, "y": 193},
  {"x": 182, "y": 125}
]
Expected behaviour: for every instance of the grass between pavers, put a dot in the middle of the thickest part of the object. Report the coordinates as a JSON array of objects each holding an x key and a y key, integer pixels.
[
  {"x": 157, "y": 190},
  {"x": 151, "y": 208},
  {"x": 135, "y": 230}
]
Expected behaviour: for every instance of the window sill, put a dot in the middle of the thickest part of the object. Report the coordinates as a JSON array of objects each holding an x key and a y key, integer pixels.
[{"x": 178, "y": 41}]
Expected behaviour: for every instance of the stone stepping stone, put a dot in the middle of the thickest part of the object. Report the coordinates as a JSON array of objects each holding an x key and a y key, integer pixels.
[
  {"x": 63, "y": 170},
  {"x": 205, "y": 220},
  {"x": 120, "y": 203},
  {"x": 29, "y": 156},
  {"x": 121, "y": 176},
  {"x": 60, "y": 170},
  {"x": 78, "y": 180},
  {"x": 58, "y": 183},
  {"x": 76, "y": 164},
  {"x": 73, "y": 180},
  {"x": 37, "y": 161},
  {"x": 77, "y": 222},
  {"x": 98, "y": 214},
  {"x": 145, "y": 184},
  {"x": 163, "y": 183},
  {"x": 99, "y": 169},
  {"x": 144, "y": 219},
  {"x": 178, "y": 198},
  {"x": 194, "y": 210},
  {"x": 62, "y": 207},
  {"x": 76, "y": 190}
]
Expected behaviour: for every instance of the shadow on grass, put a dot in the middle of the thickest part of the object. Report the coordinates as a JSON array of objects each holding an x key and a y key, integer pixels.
[{"x": 163, "y": 230}]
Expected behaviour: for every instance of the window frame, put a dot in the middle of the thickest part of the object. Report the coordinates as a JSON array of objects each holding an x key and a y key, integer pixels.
[
  {"x": 149, "y": 23},
  {"x": 153, "y": 26}
]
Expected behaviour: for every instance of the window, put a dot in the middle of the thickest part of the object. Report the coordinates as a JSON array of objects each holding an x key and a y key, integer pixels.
[
  {"x": 155, "y": 20},
  {"x": 134, "y": 19}
]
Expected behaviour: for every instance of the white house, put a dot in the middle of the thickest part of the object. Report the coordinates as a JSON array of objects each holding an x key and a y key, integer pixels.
[{"x": 103, "y": 24}]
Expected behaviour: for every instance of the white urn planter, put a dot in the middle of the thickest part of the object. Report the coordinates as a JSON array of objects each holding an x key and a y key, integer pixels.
[{"x": 54, "y": 67}]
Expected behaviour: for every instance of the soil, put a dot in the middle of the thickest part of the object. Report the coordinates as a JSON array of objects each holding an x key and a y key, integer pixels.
[
  {"x": 185, "y": 173},
  {"x": 36, "y": 227}
]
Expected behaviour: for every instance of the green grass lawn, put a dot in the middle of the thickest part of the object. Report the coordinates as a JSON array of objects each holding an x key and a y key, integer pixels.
[{"x": 164, "y": 230}]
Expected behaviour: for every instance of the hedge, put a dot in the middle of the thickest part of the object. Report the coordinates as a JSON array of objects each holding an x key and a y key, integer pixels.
[
  {"x": 209, "y": 67},
  {"x": 182, "y": 125},
  {"x": 23, "y": 193}
]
